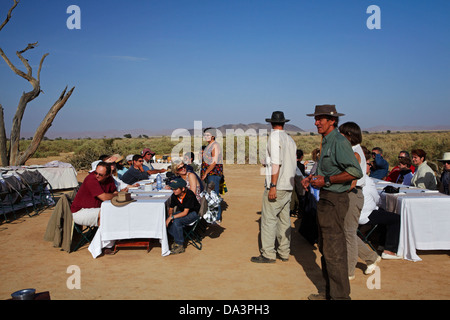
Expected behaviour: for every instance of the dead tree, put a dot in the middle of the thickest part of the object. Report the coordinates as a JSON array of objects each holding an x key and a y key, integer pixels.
[{"x": 11, "y": 155}]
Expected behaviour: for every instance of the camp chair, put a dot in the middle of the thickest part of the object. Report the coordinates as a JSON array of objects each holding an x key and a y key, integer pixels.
[
  {"x": 81, "y": 235},
  {"x": 38, "y": 189},
  {"x": 85, "y": 234},
  {"x": 361, "y": 231},
  {"x": 6, "y": 204},
  {"x": 193, "y": 233},
  {"x": 19, "y": 193}
]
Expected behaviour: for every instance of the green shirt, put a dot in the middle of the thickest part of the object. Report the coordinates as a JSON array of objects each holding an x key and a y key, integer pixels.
[{"x": 337, "y": 156}]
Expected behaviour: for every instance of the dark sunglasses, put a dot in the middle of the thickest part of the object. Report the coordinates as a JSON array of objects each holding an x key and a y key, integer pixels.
[{"x": 99, "y": 174}]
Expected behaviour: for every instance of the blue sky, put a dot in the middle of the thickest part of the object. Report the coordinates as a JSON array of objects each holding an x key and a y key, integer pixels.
[{"x": 159, "y": 64}]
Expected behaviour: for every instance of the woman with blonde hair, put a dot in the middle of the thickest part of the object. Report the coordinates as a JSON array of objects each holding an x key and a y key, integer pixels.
[{"x": 192, "y": 183}]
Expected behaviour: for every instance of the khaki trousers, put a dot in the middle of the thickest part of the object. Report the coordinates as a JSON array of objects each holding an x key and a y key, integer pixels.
[{"x": 276, "y": 225}]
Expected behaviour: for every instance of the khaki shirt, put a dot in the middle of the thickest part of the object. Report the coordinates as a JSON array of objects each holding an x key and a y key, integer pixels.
[
  {"x": 282, "y": 150},
  {"x": 337, "y": 156}
]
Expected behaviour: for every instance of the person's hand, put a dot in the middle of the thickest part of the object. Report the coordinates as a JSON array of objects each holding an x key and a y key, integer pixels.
[
  {"x": 168, "y": 221},
  {"x": 305, "y": 182},
  {"x": 272, "y": 194},
  {"x": 318, "y": 182}
]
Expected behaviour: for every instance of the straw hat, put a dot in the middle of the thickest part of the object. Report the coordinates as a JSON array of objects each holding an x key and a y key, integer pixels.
[
  {"x": 122, "y": 199},
  {"x": 446, "y": 157}
]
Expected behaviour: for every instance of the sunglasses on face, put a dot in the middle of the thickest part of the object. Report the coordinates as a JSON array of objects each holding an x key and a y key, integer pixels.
[{"x": 99, "y": 174}]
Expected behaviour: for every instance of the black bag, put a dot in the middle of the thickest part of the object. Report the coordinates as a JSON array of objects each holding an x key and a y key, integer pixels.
[{"x": 391, "y": 189}]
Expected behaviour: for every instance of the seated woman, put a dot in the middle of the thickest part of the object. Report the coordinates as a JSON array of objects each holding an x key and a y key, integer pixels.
[
  {"x": 187, "y": 212},
  {"x": 424, "y": 176},
  {"x": 372, "y": 214},
  {"x": 192, "y": 183}
]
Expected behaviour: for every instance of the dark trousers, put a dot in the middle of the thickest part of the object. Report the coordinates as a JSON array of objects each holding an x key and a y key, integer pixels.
[
  {"x": 392, "y": 222},
  {"x": 331, "y": 210}
]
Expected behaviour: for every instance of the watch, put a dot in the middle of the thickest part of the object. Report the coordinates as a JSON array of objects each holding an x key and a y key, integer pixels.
[
  {"x": 327, "y": 181},
  {"x": 273, "y": 185}
]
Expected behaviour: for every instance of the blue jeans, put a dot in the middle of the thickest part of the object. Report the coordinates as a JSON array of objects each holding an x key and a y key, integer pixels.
[
  {"x": 216, "y": 179},
  {"x": 176, "y": 226}
]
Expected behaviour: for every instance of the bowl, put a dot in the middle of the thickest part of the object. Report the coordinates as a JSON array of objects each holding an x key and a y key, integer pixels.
[{"x": 24, "y": 294}]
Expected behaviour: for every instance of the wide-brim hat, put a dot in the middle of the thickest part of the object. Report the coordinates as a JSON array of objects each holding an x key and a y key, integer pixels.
[
  {"x": 116, "y": 158},
  {"x": 326, "y": 109},
  {"x": 122, "y": 199},
  {"x": 277, "y": 117},
  {"x": 446, "y": 157}
]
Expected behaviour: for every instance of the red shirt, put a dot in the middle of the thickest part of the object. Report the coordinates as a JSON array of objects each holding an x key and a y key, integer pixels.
[
  {"x": 395, "y": 172},
  {"x": 90, "y": 188}
]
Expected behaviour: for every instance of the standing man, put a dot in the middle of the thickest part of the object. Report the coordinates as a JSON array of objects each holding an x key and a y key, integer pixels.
[
  {"x": 279, "y": 183},
  {"x": 336, "y": 169}
]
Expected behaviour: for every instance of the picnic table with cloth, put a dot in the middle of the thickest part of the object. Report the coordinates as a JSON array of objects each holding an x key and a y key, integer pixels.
[{"x": 425, "y": 218}]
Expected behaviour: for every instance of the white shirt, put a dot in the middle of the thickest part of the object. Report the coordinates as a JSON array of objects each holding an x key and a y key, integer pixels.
[
  {"x": 371, "y": 198},
  {"x": 362, "y": 162},
  {"x": 281, "y": 150}
]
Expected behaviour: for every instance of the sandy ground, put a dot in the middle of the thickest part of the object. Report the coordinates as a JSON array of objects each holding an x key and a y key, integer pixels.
[{"x": 220, "y": 271}]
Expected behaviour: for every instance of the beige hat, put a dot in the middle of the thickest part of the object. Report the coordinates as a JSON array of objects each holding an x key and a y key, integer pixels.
[
  {"x": 122, "y": 199},
  {"x": 446, "y": 157}
]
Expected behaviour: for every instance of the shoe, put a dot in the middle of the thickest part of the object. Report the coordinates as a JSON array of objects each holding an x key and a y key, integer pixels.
[
  {"x": 318, "y": 296},
  {"x": 351, "y": 277},
  {"x": 390, "y": 256},
  {"x": 282, "y": 259},
  {"x": 177, "y": 249},
  {"x": 262, "y": 259},
  {"x": 371, "y": 267}
]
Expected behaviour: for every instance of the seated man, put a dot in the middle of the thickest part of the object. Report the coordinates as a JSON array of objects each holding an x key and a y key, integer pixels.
[
  {"x": 136, "y": 172},
  {"x": 97, "y": 187},
  {"x": 393, "y": 175},
  {"x": 379, "y": 167},
  {"x": 187, "y": 208},
  {"x": 147, "y": 154}
]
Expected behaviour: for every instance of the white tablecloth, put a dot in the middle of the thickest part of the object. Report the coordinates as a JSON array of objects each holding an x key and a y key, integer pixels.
[
  {"x": 58, "y": 177},
  {"x": 144, "y": 218},
  {"x": 425, "y": 218}
]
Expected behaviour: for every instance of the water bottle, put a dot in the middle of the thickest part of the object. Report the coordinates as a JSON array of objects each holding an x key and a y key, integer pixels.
[{"x": 158, "y": 182}]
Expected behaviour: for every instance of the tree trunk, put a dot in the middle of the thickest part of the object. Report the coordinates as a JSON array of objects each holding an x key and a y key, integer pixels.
[{"x": 3, "y": 150}]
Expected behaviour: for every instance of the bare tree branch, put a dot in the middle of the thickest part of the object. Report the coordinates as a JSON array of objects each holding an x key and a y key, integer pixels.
[
  {"x": 45, "y": 125},
  {"x": 9, "y": 15}
]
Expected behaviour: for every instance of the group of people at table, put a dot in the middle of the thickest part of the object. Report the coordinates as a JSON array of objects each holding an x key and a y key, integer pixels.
[
  {"x": 347, "y": 198},
  {"x": 109, "y": 176}
]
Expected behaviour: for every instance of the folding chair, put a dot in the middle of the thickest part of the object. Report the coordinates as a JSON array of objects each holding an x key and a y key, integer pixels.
[
  {"x": 365, "y": 235},
  {"x": 6, "y": 203},
  {"x": 193, "y": 233},
  {"x": 19, "y": 193},
  {"x": 85, "y": 234}
]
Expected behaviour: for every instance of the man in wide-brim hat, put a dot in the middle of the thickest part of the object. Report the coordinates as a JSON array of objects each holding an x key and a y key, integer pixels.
[
  {"x": 336, "y": 169},
  {"x": 281, "y": 158}
]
